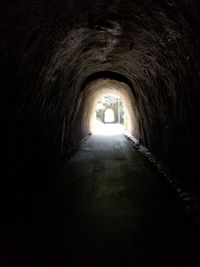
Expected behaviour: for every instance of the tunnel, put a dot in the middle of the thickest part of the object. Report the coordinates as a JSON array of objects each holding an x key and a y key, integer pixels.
[
  {"x": 57, "y": 59},
  {"x": 102, "y": 87}
]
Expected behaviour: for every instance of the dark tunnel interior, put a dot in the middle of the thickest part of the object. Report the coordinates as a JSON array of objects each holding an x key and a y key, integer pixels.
[{"x": 55, "y": 57}]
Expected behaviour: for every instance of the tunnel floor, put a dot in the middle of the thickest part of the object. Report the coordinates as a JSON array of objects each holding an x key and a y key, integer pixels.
[
  {"x": 109, "y": 206},
  {"x": 119, "y": 211}
]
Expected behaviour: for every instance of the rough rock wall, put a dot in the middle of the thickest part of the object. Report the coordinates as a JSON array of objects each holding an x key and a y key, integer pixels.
[{"x": 48, "y": 50}]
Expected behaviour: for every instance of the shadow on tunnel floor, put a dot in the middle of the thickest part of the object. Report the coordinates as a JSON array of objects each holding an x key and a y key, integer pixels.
[{"x": 49, "y": 228}]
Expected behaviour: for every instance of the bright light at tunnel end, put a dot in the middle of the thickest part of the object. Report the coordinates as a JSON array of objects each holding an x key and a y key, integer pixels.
[
  {"x": 109, "y": 116},
  {"x": 108, "y": 128},
  {"x": 109, "y": 108}
]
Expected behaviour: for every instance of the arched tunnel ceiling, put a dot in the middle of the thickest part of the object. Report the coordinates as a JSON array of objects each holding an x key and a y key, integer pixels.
[{"x": 50, "y": 48}]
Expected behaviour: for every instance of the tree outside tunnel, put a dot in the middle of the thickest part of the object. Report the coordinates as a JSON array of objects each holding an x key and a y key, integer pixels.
[
  {"x": 110, "y": 115},
  {"x": 110, "y": 109}
]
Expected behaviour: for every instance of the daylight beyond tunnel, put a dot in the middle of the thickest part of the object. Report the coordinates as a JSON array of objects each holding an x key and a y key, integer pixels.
[{"x": 95, "y": 90}]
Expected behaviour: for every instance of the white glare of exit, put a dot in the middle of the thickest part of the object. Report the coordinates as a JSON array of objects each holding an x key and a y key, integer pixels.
[{"x": 110, "y": 116}]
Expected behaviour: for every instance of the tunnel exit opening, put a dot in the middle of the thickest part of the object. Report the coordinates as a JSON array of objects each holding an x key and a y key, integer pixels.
[
  {"x": 108, "y": 108},
  {"x": 110, "y": 115}
]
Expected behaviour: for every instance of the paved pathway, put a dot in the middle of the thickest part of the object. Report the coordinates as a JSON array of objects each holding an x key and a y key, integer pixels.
[{"x": 118, "y": 211}]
